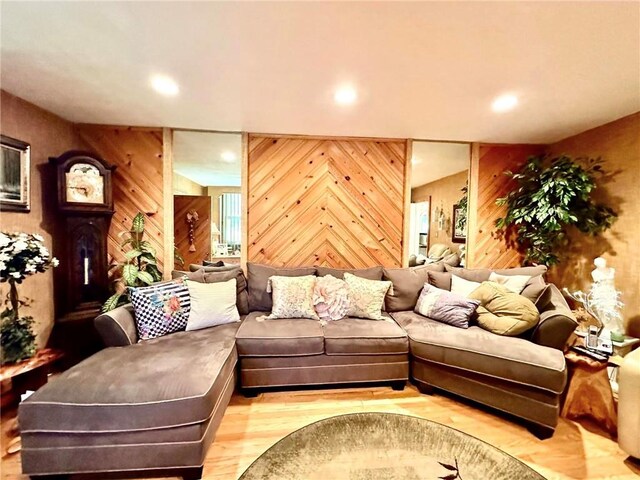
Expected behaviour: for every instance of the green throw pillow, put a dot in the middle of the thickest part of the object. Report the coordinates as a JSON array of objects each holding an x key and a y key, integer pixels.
[{"x": 504, "y": 312}]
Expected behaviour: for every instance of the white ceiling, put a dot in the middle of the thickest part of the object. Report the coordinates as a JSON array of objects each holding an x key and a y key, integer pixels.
[
  {"x": 435, "y": 160},
  {"x": 198, "y": 156},
  {"x": 421, "y": 69}
]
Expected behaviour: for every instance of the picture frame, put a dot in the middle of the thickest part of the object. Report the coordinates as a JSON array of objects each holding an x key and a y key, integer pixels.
[
  {"x": 15, "y": 175},
  {"x": 459, "y": 225}
]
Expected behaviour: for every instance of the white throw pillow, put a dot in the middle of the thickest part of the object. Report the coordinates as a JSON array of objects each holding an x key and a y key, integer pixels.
[
  {"x": 513, "y": 283},
  {"x": 212, "y": 304},
  {"x": 463, "y": 287}
]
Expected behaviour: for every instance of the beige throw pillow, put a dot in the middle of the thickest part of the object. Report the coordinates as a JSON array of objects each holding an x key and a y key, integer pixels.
[
  {"x": 513, "y": 283},
  {"x": 212, "y": 304},
  {"x": 366, "y": 297},
  {"x": 462, "y": 287},
  {"x": 292, "y": 297}
]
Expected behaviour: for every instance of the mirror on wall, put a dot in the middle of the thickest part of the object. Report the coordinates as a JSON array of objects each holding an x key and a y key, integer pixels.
[
  {"x": 439, "y": 183},
  {"x": 206, "y": 197}
]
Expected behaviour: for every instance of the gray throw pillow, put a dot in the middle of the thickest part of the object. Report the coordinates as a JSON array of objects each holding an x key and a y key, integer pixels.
[
  {"x": 407, "y": 285},
  {"x": 482, "y": 274},
  {"x": 242, "y": 297},
  {"x": 445, "y": 307}
]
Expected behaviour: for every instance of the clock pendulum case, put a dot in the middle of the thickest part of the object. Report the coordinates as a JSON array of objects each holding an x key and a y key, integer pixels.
[{"x": 85, "y": 208}]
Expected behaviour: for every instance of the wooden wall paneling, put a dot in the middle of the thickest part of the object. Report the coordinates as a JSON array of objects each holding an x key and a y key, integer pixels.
[
  {"x": 138, "y": 183},
  {"x": 183, "y": 204},
  {"x": 325, "y": 201},
  {"x": 406, "y": 226},
  {"x": 244, "y": 192},
  {"x": 167, "y": 194},
  {"x": 488, "y": 182}
]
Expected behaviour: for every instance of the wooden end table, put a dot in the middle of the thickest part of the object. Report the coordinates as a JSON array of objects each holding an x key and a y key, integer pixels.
[
  {"x": 29, "y": 374},
  {"x": 589, "y": 393}
]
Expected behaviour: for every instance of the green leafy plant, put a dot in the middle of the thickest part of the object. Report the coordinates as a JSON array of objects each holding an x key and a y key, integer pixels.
[
  {"x": 552, "y": 196},
  {"x": 16, "y": 337},
  {"x": 140, "y": 265}
]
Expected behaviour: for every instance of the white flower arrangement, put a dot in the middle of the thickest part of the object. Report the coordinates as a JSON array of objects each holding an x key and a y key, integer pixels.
[{"x": 23, "y": 254}]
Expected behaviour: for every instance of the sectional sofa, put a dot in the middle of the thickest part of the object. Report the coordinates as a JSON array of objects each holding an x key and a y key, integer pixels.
[{"x": 153, "y": 407}]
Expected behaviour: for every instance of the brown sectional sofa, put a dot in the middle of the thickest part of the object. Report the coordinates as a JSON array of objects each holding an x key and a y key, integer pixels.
[{"x": 154, "y": 406}]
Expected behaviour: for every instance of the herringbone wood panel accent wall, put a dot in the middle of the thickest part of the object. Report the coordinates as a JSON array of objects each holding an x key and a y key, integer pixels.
[
  {"x": 486, "y": 248},
  {"x": 137, "y": 183},
  {"x": 325, "y": 201}
]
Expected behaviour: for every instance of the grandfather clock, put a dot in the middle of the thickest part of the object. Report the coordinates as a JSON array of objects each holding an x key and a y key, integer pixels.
[{"x": 85, "y": 207}]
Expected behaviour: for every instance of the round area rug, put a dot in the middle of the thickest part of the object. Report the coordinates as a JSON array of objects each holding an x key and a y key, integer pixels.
[{"x": 384, "y": 446}]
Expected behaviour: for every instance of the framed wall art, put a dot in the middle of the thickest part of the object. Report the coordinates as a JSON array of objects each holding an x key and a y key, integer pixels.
[{"x": 15, "y": 193}]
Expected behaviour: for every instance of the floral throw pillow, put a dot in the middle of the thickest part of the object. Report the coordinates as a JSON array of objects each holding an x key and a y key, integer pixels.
[
  {"x": 292, "y": 297},
  {"x": 366, "y": 297},
  {"x": 160, "y": 309},
  {"x": 331, "y": 298}
]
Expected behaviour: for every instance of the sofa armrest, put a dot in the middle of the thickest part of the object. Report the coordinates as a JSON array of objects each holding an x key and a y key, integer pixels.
[
  {"x": 117, "y": 328},
  {"x": 556, "y": 324}
]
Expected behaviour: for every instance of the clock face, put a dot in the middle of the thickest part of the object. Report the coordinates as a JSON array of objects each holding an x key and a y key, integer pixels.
[{"x": 84, "y": 184}]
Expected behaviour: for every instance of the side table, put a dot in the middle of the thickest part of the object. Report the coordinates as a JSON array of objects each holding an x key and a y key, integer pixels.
[
  {"x": 29, "y": 374},
  {"x": 589, "y": 393}
]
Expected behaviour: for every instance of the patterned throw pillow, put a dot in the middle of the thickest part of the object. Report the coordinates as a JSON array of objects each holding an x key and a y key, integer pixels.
[
  {"x": 366, "y": 297},
  {"x": 161, "y": 308},
  {"x": 292, "y": 297},
  {"x": 446, "y": 307},
  {"x": 331, "y": 298}
]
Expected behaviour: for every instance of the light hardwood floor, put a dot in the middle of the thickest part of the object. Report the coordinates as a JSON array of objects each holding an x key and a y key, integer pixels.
[{"x": 250, "y": 426}]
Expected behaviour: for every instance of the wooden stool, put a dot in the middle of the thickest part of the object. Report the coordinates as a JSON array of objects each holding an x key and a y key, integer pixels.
[{"x": 589, "y": 393}]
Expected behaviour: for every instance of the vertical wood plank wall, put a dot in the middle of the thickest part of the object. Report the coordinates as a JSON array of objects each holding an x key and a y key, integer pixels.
[
  {"x": 336, "y": 202},
  {"x": 138, "y": 179},
  {"x": 485, "y": 248}
]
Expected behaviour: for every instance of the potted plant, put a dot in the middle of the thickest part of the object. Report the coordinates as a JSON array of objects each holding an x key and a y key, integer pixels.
[
  {"x": 140, "y": 265},
  {"x": 21, "y": 255},
  {"x": 552, "y": 196}
]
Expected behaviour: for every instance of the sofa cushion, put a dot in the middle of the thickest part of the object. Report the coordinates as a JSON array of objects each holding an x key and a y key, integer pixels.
[
  {"x": 261, "y": 337},
  {"x": 194, "y": 267},
  {"x": 165, "y": 382},
  {"x": 372, "y": 273},
  {"x": 441, "y": 280},
  {"x": 258, "y": 278},
  {"x": 357, "y": 336},
  {"x": 476, "y": 350},
  {"x": 445, "y": 306},
  {"x": 407, "y": 284},
  {"x": 482, "y": 274}
]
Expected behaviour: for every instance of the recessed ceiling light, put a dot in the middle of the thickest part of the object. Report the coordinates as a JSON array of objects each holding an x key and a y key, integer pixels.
[
  {"x": 504, "y": 103},
  {"x": 228, "y": 156},
  {"x": 345, "y": 96},
  {"x": 164, "y": 85}
]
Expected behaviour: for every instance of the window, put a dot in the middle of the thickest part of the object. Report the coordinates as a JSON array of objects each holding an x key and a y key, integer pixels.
[{"x": 230, "y": 220}]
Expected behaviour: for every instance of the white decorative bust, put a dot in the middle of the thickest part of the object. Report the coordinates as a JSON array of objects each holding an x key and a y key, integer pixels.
[{"x": 602, "y": 273}]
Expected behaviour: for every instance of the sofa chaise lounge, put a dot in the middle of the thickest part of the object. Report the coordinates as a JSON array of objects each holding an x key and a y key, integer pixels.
[{"x": 154, "y": 406}]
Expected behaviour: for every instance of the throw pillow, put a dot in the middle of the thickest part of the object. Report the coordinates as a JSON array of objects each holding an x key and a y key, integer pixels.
[
  {"x": 161, "y": 308},
  {"x": 194, "y": 267},
  {"x": 292, "y": 297},
  {"x": 462, "y": 287},
  {"x": 258, "y": 278},
  {"x": 407, "y": 284},
  {"x": 515, "y": 283},
  {"x": 534, "y": 288},
  {"x": 331, "y": 298},
  {"x": 441, "y": 280},
  {"x": 366, "y": 297},
  {"x": 504, "y": 312},
  {"x": 446, "y": 307},
  {"x": 212, "y": 304},
  {"x": 482, "y": 274},
  {"x": 219, "y": 263}
]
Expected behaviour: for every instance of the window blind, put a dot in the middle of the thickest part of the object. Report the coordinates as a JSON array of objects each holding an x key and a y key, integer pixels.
[{"x": 230, "y": 218}]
